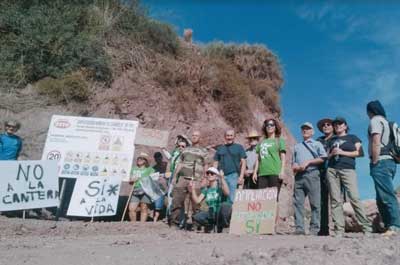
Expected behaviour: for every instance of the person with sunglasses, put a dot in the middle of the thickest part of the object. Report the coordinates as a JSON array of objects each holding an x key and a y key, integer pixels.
[
  {"x": 270, "y": 165},
  {"x": 344, "y": 148},
  {"x": 10, "y": 143},
  {"x": 219, "y": 211},
  {"x": 325, "y": 126}
]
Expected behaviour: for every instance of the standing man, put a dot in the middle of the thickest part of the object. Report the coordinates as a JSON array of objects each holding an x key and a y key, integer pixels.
[
  {"x": 383, "y": 167},
  {"x": 251, "y": 156},
  {"x": 325, "y": 126},
  {"x": 191, "y": 167},
  {"x": 231, "y": 159},
  {"x": 10, "y": 143},
  {"x": 307, "y": 158}
]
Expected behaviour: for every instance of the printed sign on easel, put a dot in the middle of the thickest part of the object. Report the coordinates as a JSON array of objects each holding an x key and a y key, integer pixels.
[
  {"x": 254, "y": 212},
  {"x": 28, "y": 185},
  {"x": 95, "y": 196},
  {"x": 93, "y": 147}
]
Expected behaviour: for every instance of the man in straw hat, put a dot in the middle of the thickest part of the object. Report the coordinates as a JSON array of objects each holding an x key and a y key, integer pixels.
[
  {"x": 324, "y": 126},
  {"x": 253, "y": 138},
  {"x": 10, "y": 143}
]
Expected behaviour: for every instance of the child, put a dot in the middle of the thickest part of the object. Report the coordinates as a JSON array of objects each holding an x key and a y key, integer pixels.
[
  {"x": 139, "y": 197},
  {"x": 219, "y": 212}
]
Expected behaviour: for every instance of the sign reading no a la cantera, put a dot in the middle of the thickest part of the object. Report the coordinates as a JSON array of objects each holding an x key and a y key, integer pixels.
[
  {"x": 91, "y": 147},
  {"x": 28, "y": 185},
  {"x": 254, "y": 212}
]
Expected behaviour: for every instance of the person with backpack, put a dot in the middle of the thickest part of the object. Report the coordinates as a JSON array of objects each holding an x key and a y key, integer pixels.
[
  {"x": 231, "y": 159},
  {"x": 382, "y": 152},
  {"x": 344, "y": 148},
  {"x": 307, "y": 157}
]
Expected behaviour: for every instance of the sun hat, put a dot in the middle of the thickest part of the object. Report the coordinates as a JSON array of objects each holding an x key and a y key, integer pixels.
[
  {"x": 183, "y": 137},
  {"x": 252, "y": 134},
  {"x": 213, "y": 170},
  {"x": 320, "y": 123},
  {"x": 145, "y": 156},
  {"x": 307, "y": 124}
]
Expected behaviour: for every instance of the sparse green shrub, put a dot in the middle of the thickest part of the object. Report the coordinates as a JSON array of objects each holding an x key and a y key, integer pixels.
[{"x": 71, "y": 87}]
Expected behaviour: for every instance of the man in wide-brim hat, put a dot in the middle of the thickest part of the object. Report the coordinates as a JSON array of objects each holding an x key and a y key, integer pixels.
[
  {"x": 253, "y": 138},
  {"x": 10, "y": 143}
]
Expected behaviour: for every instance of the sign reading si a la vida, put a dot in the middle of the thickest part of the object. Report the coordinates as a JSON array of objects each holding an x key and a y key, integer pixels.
[
  {"x": 28, "y": 185},
  {"x": 254, "y": 212},
  {"x": 95, "y": 196},
  {"x": 91, "y": 147}
]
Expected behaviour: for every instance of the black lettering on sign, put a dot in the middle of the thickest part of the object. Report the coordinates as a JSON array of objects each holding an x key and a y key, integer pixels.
[
  {"x": 38, "y": 172},
  {"x": 6, "y": 199},
  {"x": 82, "y": 201},
  {"x": 95, "y": 188},
  {"x": 9, "y": 188},
  {"x": 40, "y": 185}
]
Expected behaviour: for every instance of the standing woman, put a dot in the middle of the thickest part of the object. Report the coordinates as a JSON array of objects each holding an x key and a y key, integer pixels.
[
  {"x": 270, "y": 165},
  {"x": 343, "y": 150},
  {"x": 139, "y": 197}
]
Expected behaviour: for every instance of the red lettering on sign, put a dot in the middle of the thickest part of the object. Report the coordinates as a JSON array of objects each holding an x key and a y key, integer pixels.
[{"x": 254, "y": 206}]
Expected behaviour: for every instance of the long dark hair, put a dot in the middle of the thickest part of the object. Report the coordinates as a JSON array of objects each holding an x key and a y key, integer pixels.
[{"x": 278, "y": 128}]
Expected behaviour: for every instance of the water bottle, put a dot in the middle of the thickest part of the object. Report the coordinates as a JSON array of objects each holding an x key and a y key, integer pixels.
[{"x": 336, "y": 146}]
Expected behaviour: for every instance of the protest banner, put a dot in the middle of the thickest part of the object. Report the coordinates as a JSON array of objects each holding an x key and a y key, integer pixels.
[
  {"x": 151, "y": 137},
  {"x": 254, "y": 212},
  {"x": 95, "y": 196},
  {"x": 91, "y": 146},
  {"x": 28, "y": 185}
]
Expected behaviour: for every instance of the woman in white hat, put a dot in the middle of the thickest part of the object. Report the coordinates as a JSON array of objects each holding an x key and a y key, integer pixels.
[
  {"x": 139, "y": 197},
  {"x": 219, "y": 212}
]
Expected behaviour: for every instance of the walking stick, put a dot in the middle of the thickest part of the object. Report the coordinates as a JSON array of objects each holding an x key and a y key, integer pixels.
[
  {"x": 219, "y": 185},
  {"x": 127, "y": 203}
]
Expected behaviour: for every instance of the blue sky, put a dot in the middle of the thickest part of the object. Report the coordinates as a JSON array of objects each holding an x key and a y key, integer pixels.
[{"x": 336, "y": 55}]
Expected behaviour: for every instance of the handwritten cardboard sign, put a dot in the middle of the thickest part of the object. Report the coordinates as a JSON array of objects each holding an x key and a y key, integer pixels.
[
  {"x": 254, "y": 212},
  {"x": 95, "y": 196},
  {"x": 150, "y": 137},
  {"x": 91, "y": 147},
  {"x": 28, "y": 185}
]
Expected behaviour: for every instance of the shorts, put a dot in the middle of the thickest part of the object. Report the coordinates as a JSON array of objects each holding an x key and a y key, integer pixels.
[
  {"x": 141, "y": 198},
  {"x": 269, "y": 181}
]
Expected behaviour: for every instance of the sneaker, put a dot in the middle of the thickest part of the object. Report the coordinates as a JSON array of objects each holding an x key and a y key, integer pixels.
[
  {"x": 299, "y": 233},
  {"x": 338, "y": 234},
  {"x": 389, "y": 233}
]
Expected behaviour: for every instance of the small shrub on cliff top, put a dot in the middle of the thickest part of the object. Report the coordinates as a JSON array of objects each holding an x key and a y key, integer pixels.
[{"x": 71, "y": 87}]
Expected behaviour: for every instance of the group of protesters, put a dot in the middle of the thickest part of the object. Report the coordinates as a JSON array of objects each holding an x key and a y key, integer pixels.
[{"x": 200, "y": 191}]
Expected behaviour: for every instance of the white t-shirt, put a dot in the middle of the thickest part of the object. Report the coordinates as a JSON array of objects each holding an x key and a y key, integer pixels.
[{"x": 378, "y": 124}]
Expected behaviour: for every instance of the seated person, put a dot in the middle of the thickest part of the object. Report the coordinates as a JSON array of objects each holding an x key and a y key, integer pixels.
[{"x": 219, "y": 212}]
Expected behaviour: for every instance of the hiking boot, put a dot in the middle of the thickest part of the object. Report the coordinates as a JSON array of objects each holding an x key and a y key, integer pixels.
[{"x": 338, "y": 234}]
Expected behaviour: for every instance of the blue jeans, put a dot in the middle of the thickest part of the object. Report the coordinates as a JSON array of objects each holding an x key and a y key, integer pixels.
[
  {"x": 232, "y": 181},
  {"x": 159, "y": 203},
  {"x": 383, "y": 173}
]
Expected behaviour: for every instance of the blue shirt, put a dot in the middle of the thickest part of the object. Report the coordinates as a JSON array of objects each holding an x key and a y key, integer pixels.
[
  {"x": 10, "y": 146},
  {"x": 229, "y": 156},
  {"x": 301, "y": 154}
]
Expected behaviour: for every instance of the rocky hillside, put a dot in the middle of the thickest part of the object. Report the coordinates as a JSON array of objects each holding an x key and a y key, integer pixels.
[{"x": 113, "y": 61}]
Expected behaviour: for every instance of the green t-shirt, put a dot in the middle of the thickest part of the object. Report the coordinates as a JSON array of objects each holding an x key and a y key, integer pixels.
[
  {"x": 270, "y": 160},
  {"x": 212, "y": 197},
  {"x": 139, "y": 173},
  {"x": 174, "y": 158}
]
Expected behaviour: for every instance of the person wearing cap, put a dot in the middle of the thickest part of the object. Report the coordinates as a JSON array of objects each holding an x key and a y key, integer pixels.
[
  {"x": 270, "y": 165},
  {"x": 383, "y": 167},
  {"x": 219, "y": 212},
  {"x": 191, "y": 167},
  {"x": 139, "y": 197},
  {"x": 10, "y": 143},
  {"x": 253, "y": 138},
  {"x": 307, "y": 157},
  {"x": 231, "y": 159},
  {"x": 325, "y": 126},
  {"x": 344, "y": 148}
]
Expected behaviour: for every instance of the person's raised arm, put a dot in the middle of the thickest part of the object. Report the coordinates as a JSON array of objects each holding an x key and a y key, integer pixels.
[{"x": 196, "y": 198}]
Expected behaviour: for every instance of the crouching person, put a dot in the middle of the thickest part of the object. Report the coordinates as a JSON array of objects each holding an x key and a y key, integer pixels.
[{"x": 219, "y": 212}]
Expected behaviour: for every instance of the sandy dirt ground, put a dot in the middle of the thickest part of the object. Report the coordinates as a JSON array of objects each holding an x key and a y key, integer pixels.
[{"x": 105, "y": 243}]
